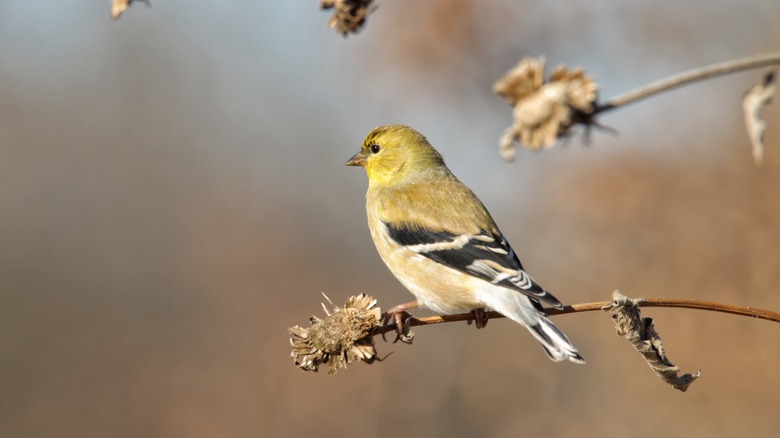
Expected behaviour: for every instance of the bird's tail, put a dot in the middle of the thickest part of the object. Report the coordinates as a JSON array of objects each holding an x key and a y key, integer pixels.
[{"x": 521, "y": 309}]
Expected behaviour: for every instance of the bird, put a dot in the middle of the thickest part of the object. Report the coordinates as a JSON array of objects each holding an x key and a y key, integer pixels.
[{"x": 441, "y": 243}]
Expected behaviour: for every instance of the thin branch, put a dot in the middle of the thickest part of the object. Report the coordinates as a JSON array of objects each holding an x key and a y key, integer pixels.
[
  {"x": 346, "y": 334},
  {"x": 692, "y": 76},
  {"x": 590, "y": 307},
  {"x": 640, "y": 332}
]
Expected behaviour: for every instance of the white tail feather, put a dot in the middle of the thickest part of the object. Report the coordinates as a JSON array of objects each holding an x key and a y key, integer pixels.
[{"x": 518, "y": 307}]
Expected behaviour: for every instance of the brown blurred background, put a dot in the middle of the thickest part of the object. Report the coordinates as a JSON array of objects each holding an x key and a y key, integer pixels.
[{"x": 174, "y": 196}]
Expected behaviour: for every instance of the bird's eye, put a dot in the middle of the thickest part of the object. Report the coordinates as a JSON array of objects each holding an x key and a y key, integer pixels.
[{"x": 375, "y": 148}]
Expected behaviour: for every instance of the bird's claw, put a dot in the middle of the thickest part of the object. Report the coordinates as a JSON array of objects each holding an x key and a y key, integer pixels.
[
  {"x": 401, "y": 319},
  {"x": 479, "y": 317}
]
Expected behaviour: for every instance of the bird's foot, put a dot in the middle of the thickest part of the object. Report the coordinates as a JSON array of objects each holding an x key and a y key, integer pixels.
[
  {"x": 479, "y": 317},
  {"x": 401, "y": 319}
]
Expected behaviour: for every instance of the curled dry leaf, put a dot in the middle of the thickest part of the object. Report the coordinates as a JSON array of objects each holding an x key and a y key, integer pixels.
[
  {"x": 344, "y": 336},
  {"x": 119, "y": 6},
  {"x": 756, "y": 98},
  {"x": 348, "y": 15},
  {"x": 543, "y": 110},
  {"x": 640, "y": 332}
]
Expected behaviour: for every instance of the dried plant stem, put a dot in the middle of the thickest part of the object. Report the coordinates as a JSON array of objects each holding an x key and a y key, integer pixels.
[
  {"x": 692, "y": 76},
  {"x": 590, "y": 307}
]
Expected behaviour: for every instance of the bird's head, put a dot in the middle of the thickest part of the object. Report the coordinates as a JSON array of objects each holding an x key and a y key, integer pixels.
[{"x": 395, "y": 154}]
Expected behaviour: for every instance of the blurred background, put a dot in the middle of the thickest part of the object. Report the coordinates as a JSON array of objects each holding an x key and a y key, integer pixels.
[{"x": 173, "y": 197}]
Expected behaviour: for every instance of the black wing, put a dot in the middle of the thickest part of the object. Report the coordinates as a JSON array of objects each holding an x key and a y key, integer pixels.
[{"x": 485, "y": 255}]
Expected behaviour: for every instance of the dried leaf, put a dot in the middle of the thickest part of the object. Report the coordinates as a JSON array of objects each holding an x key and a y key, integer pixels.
[
  {"x": 756, "y": 98},
  {"x": 642, "y": 335}
]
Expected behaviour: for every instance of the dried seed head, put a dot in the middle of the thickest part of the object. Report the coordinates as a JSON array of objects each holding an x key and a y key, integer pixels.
[
  {"x": 543, "y": 111},
  {"x": 521, "y": 81},
  {"x": 119, "y": 6},
  {"x": 343, "y": 337},
  {"x": 348, "y": 15}
]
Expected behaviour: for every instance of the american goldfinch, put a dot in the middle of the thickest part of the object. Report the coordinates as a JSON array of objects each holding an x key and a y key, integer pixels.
[{"x": 441, "y": 243}]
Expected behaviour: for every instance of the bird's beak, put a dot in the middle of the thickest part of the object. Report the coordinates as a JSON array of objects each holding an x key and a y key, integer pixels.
[{"x": 359, "y": 159}]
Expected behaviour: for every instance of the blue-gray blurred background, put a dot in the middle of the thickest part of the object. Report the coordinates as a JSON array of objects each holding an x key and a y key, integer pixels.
[{"x": 173, "y": 196}]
